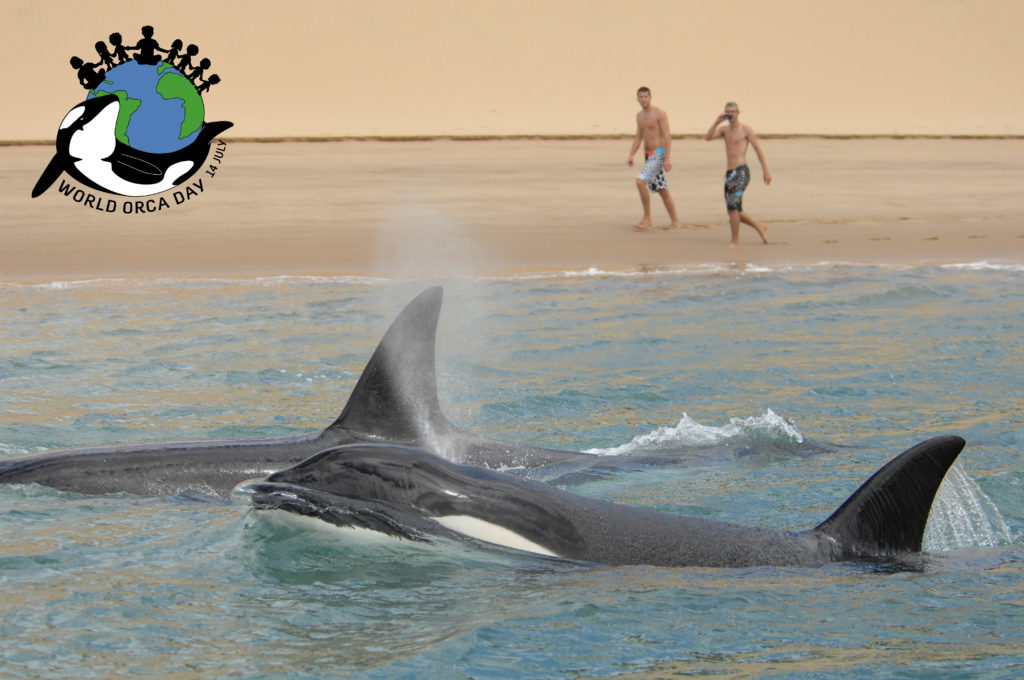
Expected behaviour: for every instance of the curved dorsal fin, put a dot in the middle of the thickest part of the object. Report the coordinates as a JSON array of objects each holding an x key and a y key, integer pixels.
[
  {"x": 887, "y": 515},
  {"x": 396, "y": 396},
  {"x": 211, "y": 130}
]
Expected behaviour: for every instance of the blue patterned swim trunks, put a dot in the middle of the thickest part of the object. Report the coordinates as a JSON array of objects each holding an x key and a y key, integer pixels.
[
  {"x": 654, "y": 170},
  {"x": 736, "y": 181}
]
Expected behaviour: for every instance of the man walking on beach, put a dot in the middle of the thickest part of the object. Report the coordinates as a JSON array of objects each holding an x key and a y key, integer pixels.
[
  {"x": 652, "y": 130},
  {"x": 737, "y": 138}
]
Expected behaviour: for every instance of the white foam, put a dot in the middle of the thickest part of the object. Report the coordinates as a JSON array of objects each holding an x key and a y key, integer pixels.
[
  {"x": 268, "y": 281},
  {"x": 667, "y": 270},
  {"x": 10, "y": 450},
  {"x": 728, "y": 268},
  {"x": 689, "y": 432},
  {"x": 984, "y": 266}
]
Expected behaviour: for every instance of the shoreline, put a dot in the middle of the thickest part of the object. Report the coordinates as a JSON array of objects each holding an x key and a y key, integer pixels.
[
  {"x": 732, "y": 269},
  {"x": 448, "y": 209}
]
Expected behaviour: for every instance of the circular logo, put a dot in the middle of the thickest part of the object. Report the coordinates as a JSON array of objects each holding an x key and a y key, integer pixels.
[{"x": 141, "y": 129}]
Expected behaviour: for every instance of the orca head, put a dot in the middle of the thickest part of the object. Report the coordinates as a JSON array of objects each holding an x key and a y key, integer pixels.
[
  {"x": 87, "y": 132},
  {"x": 411, "y": 493},
  {"x": 365, "y": 486},
  {"x": 390, "y": 473}
]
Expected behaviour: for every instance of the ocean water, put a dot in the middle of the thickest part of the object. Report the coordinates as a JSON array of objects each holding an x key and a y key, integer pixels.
[{"x": 761, "y": 396}]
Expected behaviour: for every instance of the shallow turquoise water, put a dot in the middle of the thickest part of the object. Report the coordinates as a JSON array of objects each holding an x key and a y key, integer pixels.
[{"x": 756, "y": 396}]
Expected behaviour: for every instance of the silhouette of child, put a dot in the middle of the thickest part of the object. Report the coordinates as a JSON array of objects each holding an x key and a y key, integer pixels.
[
  {"x": 119, "y": 51},
  {"x": 147, "y": 48},
  {"x": 172, "y": 54},
  {"x": 197, "y": 72},
  {"x": 105, "y": 58},
  {"x": 87, "y": 77},
  {"x": 186, "y": 61},
  {"x": 205, "y": 87}
]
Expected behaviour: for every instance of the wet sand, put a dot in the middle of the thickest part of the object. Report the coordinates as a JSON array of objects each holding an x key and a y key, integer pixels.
[{"x": 446, "y": 208}]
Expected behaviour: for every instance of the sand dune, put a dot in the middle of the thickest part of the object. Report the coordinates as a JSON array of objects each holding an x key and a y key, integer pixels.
[{"x": 462, "y": 67}]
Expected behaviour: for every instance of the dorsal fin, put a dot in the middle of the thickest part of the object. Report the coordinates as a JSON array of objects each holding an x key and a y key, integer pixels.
[
  {"x": 887, "y": 515},
  {"x": 211, "y": 130},
  {"x": 396, "y": 396}
]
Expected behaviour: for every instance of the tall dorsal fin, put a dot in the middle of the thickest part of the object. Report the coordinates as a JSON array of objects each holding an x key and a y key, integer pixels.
[
  {"x": 887, "y": 515},
  {"x": 396, "y": 396},
  {"x": 211, "y": 130}
]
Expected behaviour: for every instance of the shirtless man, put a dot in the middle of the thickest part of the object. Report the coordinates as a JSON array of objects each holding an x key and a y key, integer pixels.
[
  {"x": 737, "y": 138},
  {"x": 652, "y": 130}
]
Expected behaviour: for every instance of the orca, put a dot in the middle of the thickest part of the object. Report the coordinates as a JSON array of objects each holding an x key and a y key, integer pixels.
[
  {"x": 88, "y": 149},
  {"x": 395, "y": 400},
  {"x": 410, "y": 493}
]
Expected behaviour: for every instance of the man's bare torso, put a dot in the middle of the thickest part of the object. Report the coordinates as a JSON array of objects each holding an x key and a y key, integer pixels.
[
  {"x": 649, "y": 123},
  {"x": 737, "y": 140}
]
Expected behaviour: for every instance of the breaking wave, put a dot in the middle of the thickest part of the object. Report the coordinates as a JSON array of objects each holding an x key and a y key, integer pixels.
[{"x": 767, "y": 427}]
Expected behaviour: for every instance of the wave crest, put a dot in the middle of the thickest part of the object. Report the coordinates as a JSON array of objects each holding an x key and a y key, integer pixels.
[{"x": 769, "y": 426}]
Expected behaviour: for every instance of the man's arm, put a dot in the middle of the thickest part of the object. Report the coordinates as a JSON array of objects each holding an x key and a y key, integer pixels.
[
  {"x": 760, "y": 154},
  {"x": 667, "y": 137},
  {"x": 715, "y": 131},
  {"x": 637, "y": 140}
]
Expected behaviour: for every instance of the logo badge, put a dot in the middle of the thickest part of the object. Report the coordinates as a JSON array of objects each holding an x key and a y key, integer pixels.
[{"x": 141, "y": 130}]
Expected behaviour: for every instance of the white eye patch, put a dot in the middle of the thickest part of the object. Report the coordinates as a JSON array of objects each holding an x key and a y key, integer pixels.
[
  {"x": 73, "y": 115},
  {"x": 491, "y": 533}
]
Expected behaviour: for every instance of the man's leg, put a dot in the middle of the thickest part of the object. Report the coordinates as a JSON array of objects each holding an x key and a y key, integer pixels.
[
  {"x": 748, "y": 220},
  {"x": 645, "y": 201},
  {"x": 734, "y": 227},
  {"x": 670, "y": 206}
]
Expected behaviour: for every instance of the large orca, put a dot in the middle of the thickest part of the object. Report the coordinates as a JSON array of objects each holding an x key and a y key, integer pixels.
[
  {"x": 410, "y": 493},
  {"x": 89, "y": 151},
  {"x": 394, "y": 401}
]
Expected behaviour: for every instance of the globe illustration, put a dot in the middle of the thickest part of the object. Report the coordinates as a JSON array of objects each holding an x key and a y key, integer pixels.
[{"x": 160, "y": 111}]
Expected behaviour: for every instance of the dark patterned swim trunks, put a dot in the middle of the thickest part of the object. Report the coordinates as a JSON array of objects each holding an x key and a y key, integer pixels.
[
  {"x": 654, "y": 170},
  {"x": 736, "y": 181}
]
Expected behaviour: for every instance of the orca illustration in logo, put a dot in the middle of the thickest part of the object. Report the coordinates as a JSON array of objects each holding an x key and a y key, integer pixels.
[{"x": 89, "y": 151}]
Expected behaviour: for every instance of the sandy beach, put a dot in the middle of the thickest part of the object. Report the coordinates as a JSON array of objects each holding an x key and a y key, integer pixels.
[
  {"x": 898, "y": 148},
  {"x": 447, "y": 208}
]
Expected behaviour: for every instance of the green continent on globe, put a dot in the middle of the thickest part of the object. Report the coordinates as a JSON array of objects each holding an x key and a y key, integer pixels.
[
  {"x": 160, "y": 110},
  {"x": 173, "y": 85},
  {"x": 124, "y": 116}
]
